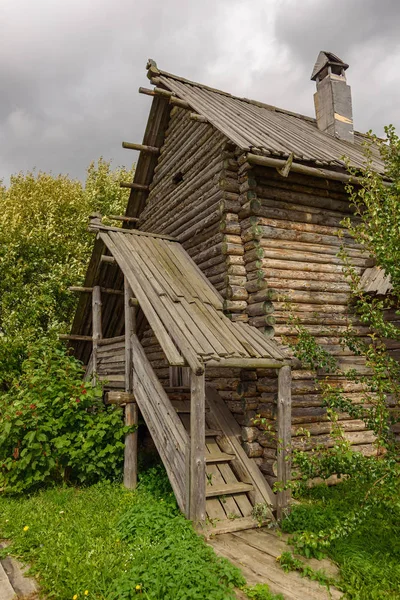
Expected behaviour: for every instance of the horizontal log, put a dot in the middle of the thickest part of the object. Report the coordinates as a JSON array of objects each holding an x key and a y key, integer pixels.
[
  {"x": 264, "y": 161},
  {"x": 89, "y": 290},
  {"x": 75, "y": 338},
  {"x": 198, "y": 118},
  {"x": 155, "y": 92},
  {"x": 141, "y": 148},
  {"x": 108, "y": 259},
  {"x": 134, "y": 186},
  {"x": 178, "y": 102},
  {"x": 122, "y": 218},
  {"x": 247, "y": 363},
  {"x": 119, "y": 398}
]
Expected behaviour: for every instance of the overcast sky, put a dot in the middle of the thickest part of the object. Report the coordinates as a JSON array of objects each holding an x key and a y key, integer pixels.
[{"x": 70, "y": 69}]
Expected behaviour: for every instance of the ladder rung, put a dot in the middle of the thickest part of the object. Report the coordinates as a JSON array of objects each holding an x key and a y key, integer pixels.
[
  {"x": 220, "y": 457},
  {"x": 227, "y": 489},
  {"x": 213, "y": 432}
]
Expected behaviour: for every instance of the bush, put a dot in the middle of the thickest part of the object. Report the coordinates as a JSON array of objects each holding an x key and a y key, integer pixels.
[{"x": 54, "y": 427}]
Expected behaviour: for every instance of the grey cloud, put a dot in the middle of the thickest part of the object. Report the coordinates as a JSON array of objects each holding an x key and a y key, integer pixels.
[{"x": 70, "y": 71}]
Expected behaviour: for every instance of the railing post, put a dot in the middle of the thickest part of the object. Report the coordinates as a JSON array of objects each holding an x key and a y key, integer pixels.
[
  {"x": 131, "y": 409},
  {"x": 97, "y": 328},
  {"x": 284, "y": 437},
  {"x": 197, "y": 503}
]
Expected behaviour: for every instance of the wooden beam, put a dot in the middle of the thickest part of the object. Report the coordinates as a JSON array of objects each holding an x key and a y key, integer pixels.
[
  {"x": 134, "y": 186},
  {"x": 95, "y": 226},
  {"x": 131, "y": 409},
  {"x": 141, "y": 148},
  {"x": 122, "y": 218},
  {"x": 119, "y": 398},
  {"x": 246, "y": 363},
  {"x": 156, "y": 92},
  {"x": 284, "y": 438},
  {"x": 198, "y": 118},
  {"x": 197, "y": 503},
  {"x": 89, "y": 290},
  {"x": 178, "y": 102},
  {"x": 279, "y": 164},
  {"x": 97, "y": 326},
  {"x": 75, "y": 338},
  {"x": 108, "y": 259}
]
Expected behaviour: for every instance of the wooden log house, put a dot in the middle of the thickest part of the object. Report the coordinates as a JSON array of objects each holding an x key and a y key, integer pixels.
[{"x": 233, "y": 224}]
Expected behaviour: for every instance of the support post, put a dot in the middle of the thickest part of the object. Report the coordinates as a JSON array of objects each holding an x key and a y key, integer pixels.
[
  {"x": 284, "y": 437},
  {"x": 197, "y": 503},
  {"x": 97, "y": 329},
  {"x": 131, "y": 409}
]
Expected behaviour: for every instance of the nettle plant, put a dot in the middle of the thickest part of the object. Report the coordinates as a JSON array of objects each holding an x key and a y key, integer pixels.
[
  {"x": 54, "y": 426},
  {"x": 377, "y": 228}
]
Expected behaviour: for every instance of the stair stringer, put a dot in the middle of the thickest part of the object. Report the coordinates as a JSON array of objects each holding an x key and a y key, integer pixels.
[{"x": 165, "y": 427}]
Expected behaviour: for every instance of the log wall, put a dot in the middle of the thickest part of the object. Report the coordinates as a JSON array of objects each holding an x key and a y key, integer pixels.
[
  {"x": 291, "y": 232},
  {"x": 269, "y": 245}
]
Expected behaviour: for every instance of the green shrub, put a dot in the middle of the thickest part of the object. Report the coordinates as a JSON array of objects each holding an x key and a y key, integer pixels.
[{"x": 54, "y": 427}]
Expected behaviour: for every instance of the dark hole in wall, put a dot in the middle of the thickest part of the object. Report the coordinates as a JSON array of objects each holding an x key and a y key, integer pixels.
[{"x": 177, "y": 178}]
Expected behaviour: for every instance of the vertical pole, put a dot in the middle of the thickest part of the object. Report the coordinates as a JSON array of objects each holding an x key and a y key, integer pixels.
[
  {"x": 97, "y": 329},
  {"x": 197, "y": 505},
  {"x": 284, "y": 437},
  {"x": 131, "y": 409}
]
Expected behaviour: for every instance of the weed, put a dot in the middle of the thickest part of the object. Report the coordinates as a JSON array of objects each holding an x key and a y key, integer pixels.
[{"x": 108, "y": 540}]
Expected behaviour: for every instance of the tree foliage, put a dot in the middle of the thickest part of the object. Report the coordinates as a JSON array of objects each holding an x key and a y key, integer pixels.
[
  {"x": 44, "y": 248},
  {"x": 53, "y": 427}
]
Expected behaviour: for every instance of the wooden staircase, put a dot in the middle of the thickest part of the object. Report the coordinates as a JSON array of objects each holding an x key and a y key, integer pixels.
[{"x": 234, "y": 484}]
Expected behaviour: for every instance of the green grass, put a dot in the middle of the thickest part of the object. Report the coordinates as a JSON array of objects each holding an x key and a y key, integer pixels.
[
  {"x": 369, "y": 557},
  {"x": 107, "y": 541}
]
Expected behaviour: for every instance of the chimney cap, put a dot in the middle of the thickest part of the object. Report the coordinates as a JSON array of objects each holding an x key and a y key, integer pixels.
[{"x": 324, "y": 59}]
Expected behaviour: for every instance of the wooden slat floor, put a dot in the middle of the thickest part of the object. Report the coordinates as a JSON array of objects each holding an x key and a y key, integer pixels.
[{"x": 255, "y": 552}]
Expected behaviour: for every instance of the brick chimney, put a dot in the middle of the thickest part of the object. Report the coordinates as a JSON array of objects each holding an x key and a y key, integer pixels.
[{"x": 332, "y": 99}]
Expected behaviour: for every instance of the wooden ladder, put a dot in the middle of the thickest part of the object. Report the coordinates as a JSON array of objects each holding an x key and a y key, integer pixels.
[{"x": 234, "y": 484}]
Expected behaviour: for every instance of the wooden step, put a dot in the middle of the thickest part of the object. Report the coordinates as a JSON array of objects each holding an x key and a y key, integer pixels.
[
  {"x": 230, "y": 525},
  {"x": 219, "y": 458},
  {"x": 213, "y": 432},
  {"x": 228, "y": 489}
]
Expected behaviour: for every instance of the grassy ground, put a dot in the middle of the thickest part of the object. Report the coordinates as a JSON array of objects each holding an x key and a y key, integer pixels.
[
  {"x": 106, "y": 543},
  {"x": 369, "y": 557}
]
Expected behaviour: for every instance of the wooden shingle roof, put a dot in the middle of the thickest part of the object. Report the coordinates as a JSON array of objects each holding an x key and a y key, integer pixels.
[
  {"x": 267, "y": 130},
  {"x": 183, "y": 308}
]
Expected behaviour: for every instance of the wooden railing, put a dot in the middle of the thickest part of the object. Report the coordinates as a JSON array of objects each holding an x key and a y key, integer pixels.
[{"x": 165, "y": 427}]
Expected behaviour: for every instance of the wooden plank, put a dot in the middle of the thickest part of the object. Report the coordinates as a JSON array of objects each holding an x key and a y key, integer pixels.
[
  {"x": 97, "y": 227},
  {"x": 232, "y": 432},
  {"x": 131, "y": 409},
  {"x": 227, "y": 489},
  {"x": 222, "y": 474},
  {"x": 262, "y": 568},
  {"x": 219, "y": 457},
  {"x": 229, "y": 526},
  {"x": 145, "y": 251},
  {"x": 202, "y": 283},
  {"x": 284, "y": 437},
  {"x": 197, "y": 449},
  {"x": 228, "y": 470},
  {"x": 140, "y": 283},
  {"x": 244, "y": 363},
  {"x": 97, "y": 326},
  {"x": 172, "y": 354}
]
